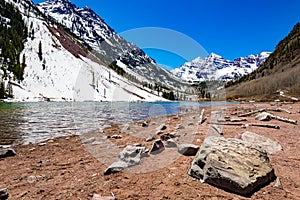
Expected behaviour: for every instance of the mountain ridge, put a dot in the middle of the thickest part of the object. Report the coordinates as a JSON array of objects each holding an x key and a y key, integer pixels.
[{"x": 215, "y": 67}]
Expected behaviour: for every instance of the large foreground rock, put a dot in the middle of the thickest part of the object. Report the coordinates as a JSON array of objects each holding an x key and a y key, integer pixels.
[
  {"x": 232, "y": 164},
  {"x": 129, "y": 156}
]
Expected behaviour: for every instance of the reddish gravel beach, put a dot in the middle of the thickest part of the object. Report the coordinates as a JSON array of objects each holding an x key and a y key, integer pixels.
[{"x": 66, "y": 168}]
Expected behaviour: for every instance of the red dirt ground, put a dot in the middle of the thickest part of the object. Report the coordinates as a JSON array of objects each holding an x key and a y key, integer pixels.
[{"x": 64, "y": 168}]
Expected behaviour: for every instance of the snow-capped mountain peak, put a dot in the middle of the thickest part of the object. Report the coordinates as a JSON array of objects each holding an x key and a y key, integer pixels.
[
  {"x": 215, "y": 67},
  {"x": 214, "y": 56}
]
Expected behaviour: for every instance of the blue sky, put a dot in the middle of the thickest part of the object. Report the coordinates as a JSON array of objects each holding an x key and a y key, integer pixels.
[{"x": 231, "y": 28}]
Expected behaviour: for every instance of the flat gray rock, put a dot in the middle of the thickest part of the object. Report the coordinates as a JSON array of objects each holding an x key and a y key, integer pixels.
[
  {"x": 129, "y": 156},
  {"x": 89, "y": 140},
  {"x": 233, "y": 165},
  {"x": 170, "y": 143},
  {"x": 132, "y": 155},
  {"x": 116, "y": 167},
  {"x": 267, "y": 144},
  {"x": 188, "y": 149}
]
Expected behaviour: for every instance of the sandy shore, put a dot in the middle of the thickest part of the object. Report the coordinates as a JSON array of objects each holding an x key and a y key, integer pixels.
[{"x": 65, "y": 168}]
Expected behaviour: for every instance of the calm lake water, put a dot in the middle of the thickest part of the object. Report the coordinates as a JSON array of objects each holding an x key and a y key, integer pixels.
[{"x": 36, "y": 122}]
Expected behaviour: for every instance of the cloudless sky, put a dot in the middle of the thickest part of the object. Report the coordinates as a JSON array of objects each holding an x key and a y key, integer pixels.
[{"x": 230, "y": 28}]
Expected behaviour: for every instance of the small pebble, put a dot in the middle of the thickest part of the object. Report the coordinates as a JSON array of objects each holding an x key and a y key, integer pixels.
[
  {"x": 116, "y": 136},
  {"x": 197, "y": 133},
  {"x": 145, "y": 124}
]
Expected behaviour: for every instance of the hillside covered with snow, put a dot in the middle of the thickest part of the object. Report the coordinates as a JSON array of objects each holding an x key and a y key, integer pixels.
[
  {"x": 97, "y": 35},
  {"x": 59, "y": 68}
]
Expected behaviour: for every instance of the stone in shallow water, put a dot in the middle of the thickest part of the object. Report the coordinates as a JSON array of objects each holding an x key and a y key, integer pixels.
[{"x": 233, "y": 165}]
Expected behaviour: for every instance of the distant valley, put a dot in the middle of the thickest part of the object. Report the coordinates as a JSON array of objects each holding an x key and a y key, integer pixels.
[{"x": 60, "y": 52}]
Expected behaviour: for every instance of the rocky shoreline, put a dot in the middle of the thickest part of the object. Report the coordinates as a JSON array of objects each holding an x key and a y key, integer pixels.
[{"x": 155, "y": 159}]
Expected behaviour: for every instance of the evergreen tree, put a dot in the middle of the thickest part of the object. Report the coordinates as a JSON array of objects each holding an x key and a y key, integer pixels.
[
  {"x": 14, "y": 31},
  {"x": 2, "y": 90},
  {"x": 40, "y": 53},
  {"x": 23, "y": 61},
  {"x": 44, "y": 64}
]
